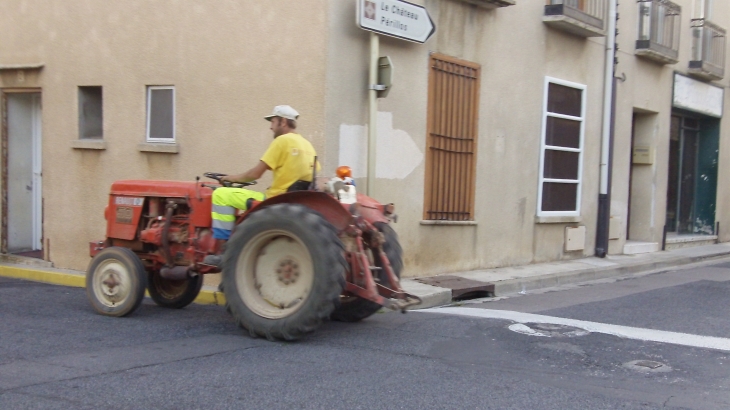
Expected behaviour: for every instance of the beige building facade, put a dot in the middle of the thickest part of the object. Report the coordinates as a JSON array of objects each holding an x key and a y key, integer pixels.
[{"x": 488, "y": 142}]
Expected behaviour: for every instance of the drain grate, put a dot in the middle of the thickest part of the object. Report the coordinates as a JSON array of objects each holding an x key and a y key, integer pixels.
[{"x": 461, "y": 288}]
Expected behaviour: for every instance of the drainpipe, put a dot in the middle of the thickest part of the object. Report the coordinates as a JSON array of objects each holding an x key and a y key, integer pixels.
[{"x": 604, "y": 196}]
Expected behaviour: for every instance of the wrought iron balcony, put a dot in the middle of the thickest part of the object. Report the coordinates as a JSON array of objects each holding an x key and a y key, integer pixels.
[
  {"x": 585, "y": 18},
  {"x": 708, "y": 50},
  {"x": 659, "y": 29},
  {"x": 491, "y": 4}
]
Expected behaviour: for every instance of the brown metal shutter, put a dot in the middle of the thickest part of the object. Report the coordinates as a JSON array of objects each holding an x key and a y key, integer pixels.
[{"x": 453, "y": 110}]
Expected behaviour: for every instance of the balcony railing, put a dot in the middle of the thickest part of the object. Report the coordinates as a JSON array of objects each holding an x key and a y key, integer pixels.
[
  {"x": 659, "y": 30},
  {"x": 708, "y": 50},
  {"x": 585, "y": 18},
  {"x": 491, "y": 4}
]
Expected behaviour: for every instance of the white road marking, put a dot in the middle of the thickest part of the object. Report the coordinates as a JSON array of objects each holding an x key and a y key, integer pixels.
[
  {"x": 526, "y": 330},
  {"x": 651, "y": 335}
]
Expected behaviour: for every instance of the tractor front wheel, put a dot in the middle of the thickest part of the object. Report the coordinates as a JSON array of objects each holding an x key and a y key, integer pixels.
[
  {"x": 174, "y": 294},
  {"x": 115, "y": 281},
  {"x": 283, "y": 272}
]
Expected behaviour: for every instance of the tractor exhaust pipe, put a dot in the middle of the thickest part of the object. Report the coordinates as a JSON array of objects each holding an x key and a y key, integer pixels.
[
  {"x": 175, "y": 272},
  {"x": 169, "y": 271}
]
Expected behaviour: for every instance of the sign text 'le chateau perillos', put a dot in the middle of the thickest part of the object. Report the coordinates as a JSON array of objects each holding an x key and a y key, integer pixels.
[{"x": 395, "y": 18}]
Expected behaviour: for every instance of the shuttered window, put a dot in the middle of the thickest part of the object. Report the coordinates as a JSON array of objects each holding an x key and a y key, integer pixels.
[
  {"x": 453, "y": 107},
  {"x": 561, "y": 160}
]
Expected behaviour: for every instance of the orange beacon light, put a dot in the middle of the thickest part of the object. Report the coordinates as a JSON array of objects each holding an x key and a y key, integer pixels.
[{"x": 344, "y": 172}]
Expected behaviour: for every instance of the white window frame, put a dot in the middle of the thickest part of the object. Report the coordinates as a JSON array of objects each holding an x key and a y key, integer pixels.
[
  {"x": 149, "y": 108},
  {"x": 544, "y": 146}
]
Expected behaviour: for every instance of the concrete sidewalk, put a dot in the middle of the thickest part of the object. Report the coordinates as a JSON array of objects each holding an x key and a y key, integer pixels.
[
  {"x": 501, "y": 281},
  {"x": 512, "y": 280}
]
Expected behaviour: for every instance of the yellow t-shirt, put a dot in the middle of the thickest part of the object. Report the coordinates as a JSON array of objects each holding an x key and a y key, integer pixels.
[{"x": 291, "y": 157}]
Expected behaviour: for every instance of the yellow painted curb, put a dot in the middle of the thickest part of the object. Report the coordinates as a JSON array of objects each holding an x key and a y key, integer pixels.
[
  {"x": 206, "y": 297},
  {"x": 209, "y": 297},
  {"x": 56, "y": 278}
]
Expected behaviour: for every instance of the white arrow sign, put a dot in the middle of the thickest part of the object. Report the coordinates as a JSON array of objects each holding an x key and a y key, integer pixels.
[{"x": 395, "y": 18}]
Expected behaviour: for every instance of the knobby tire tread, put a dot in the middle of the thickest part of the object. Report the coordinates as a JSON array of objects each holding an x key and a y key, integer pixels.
[
  {"x": 323, "y": 298},
  {"x": 194, "y": 284}
]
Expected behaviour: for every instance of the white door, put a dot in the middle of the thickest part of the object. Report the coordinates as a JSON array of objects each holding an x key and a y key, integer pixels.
[{"x": 24, "y": 172}]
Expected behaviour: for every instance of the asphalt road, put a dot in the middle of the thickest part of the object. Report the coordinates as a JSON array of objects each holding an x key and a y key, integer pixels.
[{"x": 56, "y": 353}]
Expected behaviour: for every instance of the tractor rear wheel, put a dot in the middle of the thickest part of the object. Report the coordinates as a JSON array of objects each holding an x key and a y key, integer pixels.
[
  {"x": 353, "y": 308},
  {"x": 115, "y": 281},
  {"x": 174, "y": 294},
  {"x": 283, "y": 272}
]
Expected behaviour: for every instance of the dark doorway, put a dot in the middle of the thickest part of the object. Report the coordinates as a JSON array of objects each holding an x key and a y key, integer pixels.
[{"x": 692, "y": 176}]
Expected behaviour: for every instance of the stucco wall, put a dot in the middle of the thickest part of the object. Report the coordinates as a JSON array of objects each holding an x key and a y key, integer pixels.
[
  {"x": 646, "y": 89},
  {"x": 230, "y": 61},
  {"x": 516, "y": 51},
  {"x": 721, "y": 15}
]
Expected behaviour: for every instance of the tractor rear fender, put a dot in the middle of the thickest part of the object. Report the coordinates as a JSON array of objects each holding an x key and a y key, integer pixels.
[
  {"x": 370, "y": 209},
  {"x": 327, "y": 206}
]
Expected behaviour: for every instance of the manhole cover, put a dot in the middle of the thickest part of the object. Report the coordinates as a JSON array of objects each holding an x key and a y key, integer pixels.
[
  {"x": 647, "y": 366},
  {"x": 547, "y": 330}
]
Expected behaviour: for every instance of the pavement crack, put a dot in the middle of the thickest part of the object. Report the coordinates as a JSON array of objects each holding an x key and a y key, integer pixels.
[
  {"x": 105, "y": 373},
  {"x": 667, "y": 401},
  {"x": 75, "y": 403}
]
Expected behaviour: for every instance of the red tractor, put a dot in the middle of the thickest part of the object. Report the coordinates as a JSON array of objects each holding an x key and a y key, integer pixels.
[{"x": 292, "y": 261}]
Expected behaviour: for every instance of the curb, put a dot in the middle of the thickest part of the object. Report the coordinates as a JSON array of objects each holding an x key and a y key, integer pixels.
[
  {"x": 572, "y": 275},
  {"x": 431, "y": 296},
  {"x": 43, "y": 275},
  {"x": 514, "y": 286},
  {"x": 208, "y": 296}
]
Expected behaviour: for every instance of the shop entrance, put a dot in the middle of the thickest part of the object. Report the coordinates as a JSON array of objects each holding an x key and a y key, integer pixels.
[{"x": 692, "y": 177}]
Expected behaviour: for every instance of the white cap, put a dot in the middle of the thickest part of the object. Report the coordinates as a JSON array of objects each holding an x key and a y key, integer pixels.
[{"x": 283, "y": 111}]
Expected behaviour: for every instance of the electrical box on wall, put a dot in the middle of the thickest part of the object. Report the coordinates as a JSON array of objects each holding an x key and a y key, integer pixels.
[
  {"x": 643, "y": 154},
  {"x": 575, "y": 238},
  {"x": 614, "y": 227}
]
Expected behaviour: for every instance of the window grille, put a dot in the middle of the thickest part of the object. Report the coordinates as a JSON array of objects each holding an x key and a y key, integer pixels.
[
  {"x": 708, "y": 48},
  {"x": 659, "y": 29}
]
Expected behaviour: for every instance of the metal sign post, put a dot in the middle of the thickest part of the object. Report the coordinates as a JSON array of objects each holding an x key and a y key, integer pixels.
[
  {"x": 394, "y": 18},
  {"x": 372, "y": 111}
]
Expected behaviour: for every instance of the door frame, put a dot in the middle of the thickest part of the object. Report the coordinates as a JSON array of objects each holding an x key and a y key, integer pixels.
[{"x": 38, "y": 159}]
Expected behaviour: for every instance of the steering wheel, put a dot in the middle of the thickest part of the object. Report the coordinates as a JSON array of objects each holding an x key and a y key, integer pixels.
[{"x": 217, "y": 176}]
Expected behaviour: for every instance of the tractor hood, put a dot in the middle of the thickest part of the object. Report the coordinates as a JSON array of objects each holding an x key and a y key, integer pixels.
[{"x": 180, "y": 189}]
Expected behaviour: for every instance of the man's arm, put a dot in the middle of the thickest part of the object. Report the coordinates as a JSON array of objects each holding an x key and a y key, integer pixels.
[{"x": 250, "y": 175}]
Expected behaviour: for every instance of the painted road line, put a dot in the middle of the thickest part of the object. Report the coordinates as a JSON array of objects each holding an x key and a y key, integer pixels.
[
  {"x": 78, "y": 280},
  {"x": 650, "y": 335}
]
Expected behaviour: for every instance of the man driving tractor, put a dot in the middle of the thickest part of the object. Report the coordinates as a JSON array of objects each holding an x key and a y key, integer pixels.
[{"x": 290, "y": 156}]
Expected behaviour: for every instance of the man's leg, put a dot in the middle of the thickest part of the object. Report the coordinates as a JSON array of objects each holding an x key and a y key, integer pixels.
[{"x": 225, "y": 202}]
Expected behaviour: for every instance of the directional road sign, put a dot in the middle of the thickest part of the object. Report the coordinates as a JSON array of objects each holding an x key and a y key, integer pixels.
[{"x": 395, "y": 18}]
